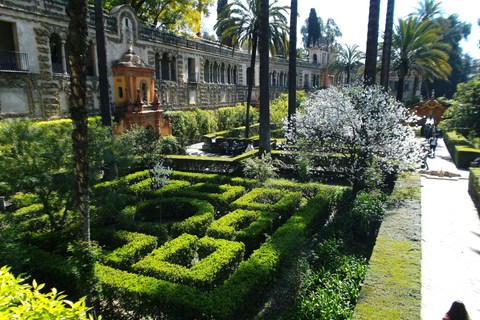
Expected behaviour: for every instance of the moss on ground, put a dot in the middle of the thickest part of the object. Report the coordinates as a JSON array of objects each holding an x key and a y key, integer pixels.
[{"x": 392, "y": 288}]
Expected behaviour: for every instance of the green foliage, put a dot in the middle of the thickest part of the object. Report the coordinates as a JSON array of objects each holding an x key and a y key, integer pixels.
[
  {"x": 171, "y": 145},
  {"x": 464, "y": 114},
  {"x": 203, "y": 263},
  {"x": 220, "y": 196},
  {"x": 23, "y": 301},
  {"x": 144, "y": 146},
  {"x": 281, "y": 202},
  {"x": 331, "y": 288},
  {"x": 136, "y": 246},
  {"x": 304, "y": 165},
  {"x": 474, "y": 185},
  {"x": 261, "y": 168}
]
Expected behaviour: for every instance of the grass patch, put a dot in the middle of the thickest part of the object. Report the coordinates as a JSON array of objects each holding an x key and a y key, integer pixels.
[{"x": 392, "y": 288}]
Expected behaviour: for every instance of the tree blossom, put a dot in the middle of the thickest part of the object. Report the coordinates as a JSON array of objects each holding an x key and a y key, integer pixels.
[{"x": 347, "y": 129}]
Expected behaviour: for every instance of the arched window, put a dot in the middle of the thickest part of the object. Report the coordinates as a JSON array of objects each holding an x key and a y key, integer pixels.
[
  {"x": 158, "y": 67},
  {"x": 90, "y": 63},
  {"x": 206, "y": 71},
  {"x": 222, "y": 73},
  {"x": 56, "y": 56},
  {"x": 144, "y": 92},
  {"x": 165, "y": 67},
  {"x": 315, "y": 58},
  {"x": 215, "y": 72},
  {"x": 235, "y": 75}
]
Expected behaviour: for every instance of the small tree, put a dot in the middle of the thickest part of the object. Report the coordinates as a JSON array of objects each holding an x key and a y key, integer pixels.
[{"x": 355, "y": 127}]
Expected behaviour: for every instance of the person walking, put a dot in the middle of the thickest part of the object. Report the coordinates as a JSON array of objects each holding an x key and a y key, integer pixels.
[{"x": 433, "y": 145}]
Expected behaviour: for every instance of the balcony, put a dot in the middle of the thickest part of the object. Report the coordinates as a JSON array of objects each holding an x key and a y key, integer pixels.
[{"x": 13, "y": 61}]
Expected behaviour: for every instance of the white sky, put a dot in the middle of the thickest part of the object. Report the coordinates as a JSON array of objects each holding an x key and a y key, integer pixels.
[{"x": 352, "y": 18}]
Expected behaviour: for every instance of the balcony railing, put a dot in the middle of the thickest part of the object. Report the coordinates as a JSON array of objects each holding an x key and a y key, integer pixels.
[{"x": 13, "y": 61}]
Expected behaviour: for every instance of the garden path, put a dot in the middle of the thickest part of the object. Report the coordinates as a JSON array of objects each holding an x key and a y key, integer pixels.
[{"x": 450, "y": 241}]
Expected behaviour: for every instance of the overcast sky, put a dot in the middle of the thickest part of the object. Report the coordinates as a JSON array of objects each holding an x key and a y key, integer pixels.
[{"x": 352, "y": 17}]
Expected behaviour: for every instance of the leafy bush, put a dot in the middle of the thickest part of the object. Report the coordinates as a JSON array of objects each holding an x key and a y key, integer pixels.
[
  {"x": 135, "y": 247},
  {"x": 23, "y": 301},
  {"x": 262, "y": 168},
  {"x": 203, "y": 263}
]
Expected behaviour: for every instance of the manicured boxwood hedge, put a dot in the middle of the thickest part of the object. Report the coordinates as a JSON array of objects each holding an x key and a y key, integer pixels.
[
  {"x": 460, "y": 149},
  {"x": 194, "y": 178},
  {"x": 282, "y": 202},
  {"x": 194, "y": 215},
  {"x": 132, "y": 247},
  {"x": 220, "y": 196},
  {"x": 143, "y": 189},
  {"x": 237, "y": 296},
  {"x": 249, "y": 227},
  {"x": 474, "y": 185},
  {"x": 203, "y": 263}
]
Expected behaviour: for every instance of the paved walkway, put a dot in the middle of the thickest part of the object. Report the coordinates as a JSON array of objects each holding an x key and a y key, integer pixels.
[{"x": 450, "y": 241}]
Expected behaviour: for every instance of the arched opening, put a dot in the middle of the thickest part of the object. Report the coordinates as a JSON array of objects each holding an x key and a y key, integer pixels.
[
  {"x": 165, "y": 67},
  {"x": 222, "y": 73},
  {"x": 56, "y": 56},
  {"x": 315, "y": 58},
  {"x": 144, "y": 89},
  {"x": 158, "y": 67},
  {"x": 206, "y": 72}
]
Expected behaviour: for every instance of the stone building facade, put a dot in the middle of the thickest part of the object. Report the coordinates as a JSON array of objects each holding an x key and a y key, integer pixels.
[{"x": 189, "y": 73}]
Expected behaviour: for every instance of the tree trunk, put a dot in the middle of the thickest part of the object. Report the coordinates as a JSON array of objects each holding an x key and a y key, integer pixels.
[
  {"x": 372, "y": 43},
  {"x": 264, "y": 143},
  {"x": 102, "y": 65},
  {"x": 402, "y": 72},
  {"x": 76, "y": 49},
  {"x": 387, "y": 46},
  {"x": 292, "y": 67},
  {"x": 251, "y": 78}
]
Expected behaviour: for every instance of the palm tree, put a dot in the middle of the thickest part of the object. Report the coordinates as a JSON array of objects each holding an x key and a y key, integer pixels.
[
  {"x": 428, "y": 9},
  {"x": 76, "y": 50},
  {"x": 263, "y": 37},
  {"x": 240, "y": 22},
  {"x": 372, "y": 42},
  {"x": 387, "y": 46},
  {"x": 347, "y": 59},
  {"x": 417, "y": 49},
  {"x": 292, "y": 64}
]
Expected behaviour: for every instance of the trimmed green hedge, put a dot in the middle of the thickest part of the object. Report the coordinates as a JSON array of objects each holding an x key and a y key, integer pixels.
[
  {"x": 203, "y": 263},
  {"x": 238, "y": 295},
  {"x": 208, "y": 164},
  {"x": 143, "y": 189},
  {"x": 463, "y": 156},
  {"x": 135, "y": 247},
  {"x": 461, "y": 150},
  {"x": 194, "y": 178},
  {"x": 220, "y": 196},
  {"x": 282, "y": 202},
  {"x": 196, "y": 214},
  {"x": 474, "y": 185},
  {"x": 245, "y": 226}
]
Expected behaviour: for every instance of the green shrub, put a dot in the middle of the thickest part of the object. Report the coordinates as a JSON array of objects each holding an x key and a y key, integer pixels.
[
  {"x": 196, "y": 214},
  {"x": 23, "y": 301},
  {"x": 261, "y": 199},
  {"x": 474, "y": 185},
  {"x": 249, "y": 227},
  {"x": 20, "y": 200},
  {"x": 135, "y": 246},
  {"x": 143, "y": 189},
  {"x": 262, "y": 168},
  {"x": 220, "y": 196},
  {"x": 203, "y": 263},
  {"x": 463, "y": 156},
  {"x": 194, "y": 178}
]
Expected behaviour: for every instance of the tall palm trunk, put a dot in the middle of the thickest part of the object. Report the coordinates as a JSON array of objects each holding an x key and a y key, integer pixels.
[
  {"x": 387, "y": 46},
  {"x": 264, "y": 30},
  {"x": 77, "y": 49},
  {"x": 251, "y": 78},
  {"x": 292, "y": 66},
  {"x": 372, "y": 43},
  {"x": 402, "y": 73},
  {"x": 102, "y": 64}
]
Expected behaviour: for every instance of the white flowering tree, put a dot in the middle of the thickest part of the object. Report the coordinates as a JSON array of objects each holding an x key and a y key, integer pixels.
[{"x": 353, "y": 128}]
